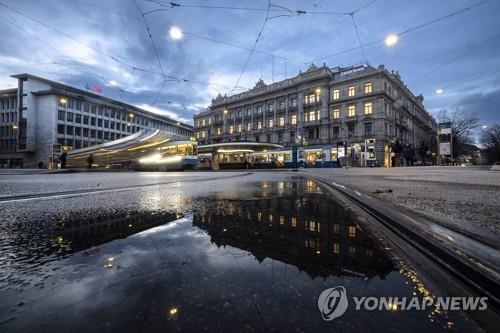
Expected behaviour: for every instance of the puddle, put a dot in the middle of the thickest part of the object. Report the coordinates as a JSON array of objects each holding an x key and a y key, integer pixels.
[{"x": 251, "y": 260}]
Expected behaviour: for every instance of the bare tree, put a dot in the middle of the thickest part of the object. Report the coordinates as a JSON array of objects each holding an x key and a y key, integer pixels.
[
  {"x": 490, "y": 138},
  {"x": 462, "y": 128}
]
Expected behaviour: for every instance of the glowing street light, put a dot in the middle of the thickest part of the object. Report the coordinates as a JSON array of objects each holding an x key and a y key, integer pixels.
[
  {"x": 175, "y": 33},
  {"x": 113, "y": 83},
  {"x": 131, "y": 115},
  {"x": 484, "y": 126},
  {"x": 439, "y": 91},
  {"x": 14, "y": 127},
  {"x": 391, "y": 40}
]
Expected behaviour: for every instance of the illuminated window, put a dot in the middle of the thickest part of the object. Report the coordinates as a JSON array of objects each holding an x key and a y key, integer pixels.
[
  {"x": 259, "y": 125},
  {"x": 294, "y": 119},
  {"x": 282, "y": 219},
  {"x": 351, "y": 91},
  {"x": 270, "y": 123},
  {"x": 368, "y": 108},
  {"x": 336, "y": 94},
  {"x": 368, "y": 87},
  {"x": 249, "y": 127},
  {"x": 336, "y": 248},
  {"x": 239, "y": 128},
  {"x": 294, "y": 221},
  {"x": 210, "y": 121},
  {"x": 270, "y": 218},
  {"x": 312, "y": 116},
  {"x": 218, "y": 130},
  {"x": 351, "y": 110},
  {"x": 336, "y": 113},
  {"x": 231, "y": 129},
  {"x": 282, "y": 121},
  {"x": 352, "y": 231},
  {"x": 312, "y": 226}
]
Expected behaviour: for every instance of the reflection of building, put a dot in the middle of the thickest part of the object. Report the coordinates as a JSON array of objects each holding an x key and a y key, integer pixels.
[
  {"x": 299, "y": 227},
  {"x": 41, "y": 113},
  {"x": 322, "y": 106},
  {"x": 83, "y": 233}
]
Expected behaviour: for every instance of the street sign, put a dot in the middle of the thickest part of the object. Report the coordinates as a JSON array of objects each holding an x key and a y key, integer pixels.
[{"x": 444, "y": 148}]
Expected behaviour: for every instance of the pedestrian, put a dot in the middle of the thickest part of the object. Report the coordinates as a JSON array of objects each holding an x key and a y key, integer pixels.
[
  {"x": 90, "y": 160},
  {"x": 422, "y": 152},
  {"x": 40, "y": 165},
  {"x": 63, "y": 157},
  {"x": 408, "y": 154},
  {"x": 397, "y": 150},
  {"x": 412, "y": 154}
]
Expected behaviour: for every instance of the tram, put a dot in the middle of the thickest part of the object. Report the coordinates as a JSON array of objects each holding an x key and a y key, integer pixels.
[{"x": 147, "y": 149}]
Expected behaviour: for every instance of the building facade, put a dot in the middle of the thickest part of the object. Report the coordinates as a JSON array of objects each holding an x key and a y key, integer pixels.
[
  {"x": 322, "y": 106},
  {"x": 43, "y": 116}
]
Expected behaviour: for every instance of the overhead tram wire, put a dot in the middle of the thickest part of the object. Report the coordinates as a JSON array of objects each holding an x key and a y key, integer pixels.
[
  {"x": 115, "y": 59},
  {"x": 155, "y": 49},
  {"x": 404, "y": 32},
  {"x": 253, "y": 47},
  {"x": 244, "y": 48},
  {"x": 461, "y": 55},
  {"x": 199, "y": 36}
]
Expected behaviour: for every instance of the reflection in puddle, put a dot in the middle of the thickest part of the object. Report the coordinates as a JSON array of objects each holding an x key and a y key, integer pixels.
[
  {"x": 301, "y": 228},
  {"x": 253, "y": 259}
]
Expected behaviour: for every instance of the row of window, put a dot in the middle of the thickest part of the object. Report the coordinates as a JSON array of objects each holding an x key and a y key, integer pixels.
[
  {"x": 100, "y": 110},
  {"x": 351, "y": 91},
  {"x": 309, "y": 99},
  {"x": 8, "y": 145},
  {"x": 111, "y": 124},
  {"x": 248, "y": 112},
  {"x": 8, "y": 117},
  {"x": 8, "y": 103},
  {"x": 93, "y": 133},
  {"x": 351, "y": 110}
]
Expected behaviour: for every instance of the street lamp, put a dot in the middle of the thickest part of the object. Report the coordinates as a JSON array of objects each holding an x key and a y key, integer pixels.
[
  {"x": 439, "y": 91},
  {"x": 113, "y": 83},
  {"x": 391, "y": 40},
  {"x": 484, "y": 126},
  {"x": 131, "y": 115},
  {"x": 175, "y": 33}
]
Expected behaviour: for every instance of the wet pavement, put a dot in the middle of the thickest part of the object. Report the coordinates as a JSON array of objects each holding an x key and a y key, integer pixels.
[{"x": 247, "y": 253}]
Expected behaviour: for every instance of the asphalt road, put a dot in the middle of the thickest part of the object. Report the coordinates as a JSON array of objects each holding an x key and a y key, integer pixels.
[{"x": 193, "y": 251}]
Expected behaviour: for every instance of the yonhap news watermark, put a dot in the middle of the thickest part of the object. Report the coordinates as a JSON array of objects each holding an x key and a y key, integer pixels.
[{"x": 334, "y": 302}]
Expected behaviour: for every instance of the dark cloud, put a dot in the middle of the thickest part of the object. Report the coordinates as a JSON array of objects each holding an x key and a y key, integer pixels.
[{"x": 118, "y": 30}]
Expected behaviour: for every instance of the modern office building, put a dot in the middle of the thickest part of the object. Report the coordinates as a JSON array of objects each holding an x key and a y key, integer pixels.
[
  {"x": 322, "y": 106},
  {"x": 41, "y": 118}
]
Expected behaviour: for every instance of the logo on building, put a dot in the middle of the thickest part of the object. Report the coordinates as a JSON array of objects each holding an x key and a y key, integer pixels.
[
  {"x": 332, "y": 303},
  {"x": 93, "y": 88}
]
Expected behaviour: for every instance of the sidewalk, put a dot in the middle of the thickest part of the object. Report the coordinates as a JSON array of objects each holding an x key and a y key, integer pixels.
[{"x": 464, "y": 199}]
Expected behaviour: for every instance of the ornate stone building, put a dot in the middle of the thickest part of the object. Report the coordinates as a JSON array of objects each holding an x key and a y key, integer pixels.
[{"x": 322, "y": 106}]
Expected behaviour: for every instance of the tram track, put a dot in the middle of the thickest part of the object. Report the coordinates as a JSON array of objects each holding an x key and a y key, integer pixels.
[
  {"x": 75, "y": 193},
  {"x": 470, "y": 274}
]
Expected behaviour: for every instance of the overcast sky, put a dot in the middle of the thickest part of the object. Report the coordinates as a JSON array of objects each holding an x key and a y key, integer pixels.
[{"x": 460, "y": 54}]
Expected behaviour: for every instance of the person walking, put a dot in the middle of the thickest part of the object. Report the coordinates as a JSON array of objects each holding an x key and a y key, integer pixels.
[
  {"x": 63, "y": 158},
  {"x": 397, "y": 150},
  {"x": 422, "y": 152},
  {"x": 90, "y": 160},
  {"x": 411, "y": 154}
]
